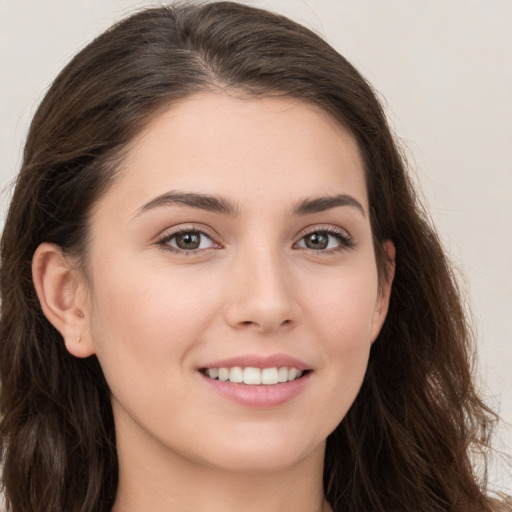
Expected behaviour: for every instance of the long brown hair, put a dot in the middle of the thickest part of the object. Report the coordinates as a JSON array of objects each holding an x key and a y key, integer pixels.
[{"x": 405, "y": 444}]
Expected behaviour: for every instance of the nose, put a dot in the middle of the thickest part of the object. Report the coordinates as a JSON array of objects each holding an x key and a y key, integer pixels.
[{"x": 261, "y": 294}]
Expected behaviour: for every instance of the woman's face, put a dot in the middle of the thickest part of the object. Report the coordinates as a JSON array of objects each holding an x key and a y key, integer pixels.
[{"x": 236, "y": 242}]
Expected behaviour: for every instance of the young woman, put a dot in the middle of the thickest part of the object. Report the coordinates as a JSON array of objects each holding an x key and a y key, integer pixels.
[{"x": 218, "y": 291}]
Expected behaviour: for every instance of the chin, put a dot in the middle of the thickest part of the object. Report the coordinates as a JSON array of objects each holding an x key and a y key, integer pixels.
[{"x": 264, "y": 453}]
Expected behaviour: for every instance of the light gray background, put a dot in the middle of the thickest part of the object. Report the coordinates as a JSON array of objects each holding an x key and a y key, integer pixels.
[{"x": 444, "y": 69}]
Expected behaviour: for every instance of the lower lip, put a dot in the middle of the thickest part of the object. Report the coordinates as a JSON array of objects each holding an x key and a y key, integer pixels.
[{"x": 262, "y": 396}]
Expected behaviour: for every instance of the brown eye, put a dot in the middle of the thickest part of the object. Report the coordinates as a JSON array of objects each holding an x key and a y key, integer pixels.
[
  {"x": 325, "y": 241},
  {"x": 188, "y": 241},
  {"x": 317, "y": 241}
]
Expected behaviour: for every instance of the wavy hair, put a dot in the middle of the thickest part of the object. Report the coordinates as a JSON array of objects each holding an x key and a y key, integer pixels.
[{"x": 407, "y": 442}]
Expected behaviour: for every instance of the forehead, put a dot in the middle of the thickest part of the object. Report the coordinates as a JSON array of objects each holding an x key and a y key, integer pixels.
[{"x": 253, "y": 149}]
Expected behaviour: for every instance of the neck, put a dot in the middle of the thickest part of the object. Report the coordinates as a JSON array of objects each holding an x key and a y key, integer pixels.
[{"x": 154, "y": 478}]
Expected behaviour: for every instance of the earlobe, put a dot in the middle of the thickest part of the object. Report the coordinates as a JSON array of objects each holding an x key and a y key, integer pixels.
[
  {"x": 382, "y": 304},
  {"x": 61, "y": 292}
]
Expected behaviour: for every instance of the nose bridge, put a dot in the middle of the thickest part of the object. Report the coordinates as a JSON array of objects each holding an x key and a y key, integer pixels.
[{"x": 261, "y": 291}]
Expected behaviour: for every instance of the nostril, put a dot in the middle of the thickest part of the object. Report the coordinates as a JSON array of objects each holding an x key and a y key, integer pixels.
[{"x": 263, "y": 325}]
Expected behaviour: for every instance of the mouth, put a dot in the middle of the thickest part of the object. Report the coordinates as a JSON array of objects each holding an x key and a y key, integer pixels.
[{"x": 252, "y": 376}]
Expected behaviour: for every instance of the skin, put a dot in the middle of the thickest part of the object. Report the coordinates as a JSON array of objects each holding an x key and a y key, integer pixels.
[{"x": 154, "y": 314}]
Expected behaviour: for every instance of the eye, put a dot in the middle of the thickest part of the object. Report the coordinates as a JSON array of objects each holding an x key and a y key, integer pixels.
[
  {"x": 189, "y": 240},
  {"x": 325, "y": 240}
]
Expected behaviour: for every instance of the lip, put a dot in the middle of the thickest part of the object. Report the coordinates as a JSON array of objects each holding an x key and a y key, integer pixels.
[
  {"x": 259, "y": 361},
  {"x": 262, "y": 396}
]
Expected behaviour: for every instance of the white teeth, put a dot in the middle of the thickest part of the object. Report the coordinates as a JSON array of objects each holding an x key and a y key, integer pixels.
[
  {"x": 235, "y": 374},
  {"x": 254, "y": 376},
  {"x": 269, "y": 376},
  {"x": 223, "y": 374},
  {"x": 282, "y": 375}
]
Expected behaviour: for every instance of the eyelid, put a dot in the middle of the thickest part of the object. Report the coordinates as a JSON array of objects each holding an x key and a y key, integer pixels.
[
  {"x": 346, "y": 240},
  {"x": 329, "y": 228},
  {"x": 171, "y": 232}
]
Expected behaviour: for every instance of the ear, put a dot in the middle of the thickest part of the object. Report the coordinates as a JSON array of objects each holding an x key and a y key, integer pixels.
[
  {"x": 382, "y": 304},
  {"x": 62, "y": 292}
]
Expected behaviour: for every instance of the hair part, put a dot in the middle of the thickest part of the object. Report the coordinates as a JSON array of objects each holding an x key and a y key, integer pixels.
[{"x": 404, "y": 444}]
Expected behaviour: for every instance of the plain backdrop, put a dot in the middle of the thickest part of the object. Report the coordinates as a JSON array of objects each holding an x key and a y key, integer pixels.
[{"x": 444, "y": 72}]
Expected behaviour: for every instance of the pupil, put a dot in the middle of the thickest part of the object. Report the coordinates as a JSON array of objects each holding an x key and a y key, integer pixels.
[
  {"x": 317, "y": 241},
  {"x": 188, "y": 241}
]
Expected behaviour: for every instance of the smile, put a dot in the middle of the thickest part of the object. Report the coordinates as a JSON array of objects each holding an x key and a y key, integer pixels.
[{"x": 254, "y": 376}]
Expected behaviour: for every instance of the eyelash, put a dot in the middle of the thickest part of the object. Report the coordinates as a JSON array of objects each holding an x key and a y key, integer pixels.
[
  {"x": 346, "y": 242},
  {"x": 163, "y": 242}
]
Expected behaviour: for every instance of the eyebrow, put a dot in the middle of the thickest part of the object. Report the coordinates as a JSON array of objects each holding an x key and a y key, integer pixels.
[
  {"x": 224, "y": 206},
  {"x": 193, "y": 200},
  {"x": 321, "y": 204}
]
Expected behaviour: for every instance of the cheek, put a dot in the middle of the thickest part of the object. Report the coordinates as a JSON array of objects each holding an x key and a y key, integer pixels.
[
  {"x": 342, "y": 306},
  {"x": 342, "y": 314},
  {"x": 142, "y": 317}
]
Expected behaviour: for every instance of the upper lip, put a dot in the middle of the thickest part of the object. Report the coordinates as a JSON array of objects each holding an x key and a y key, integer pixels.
[{"x": 259, "y": 361}]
